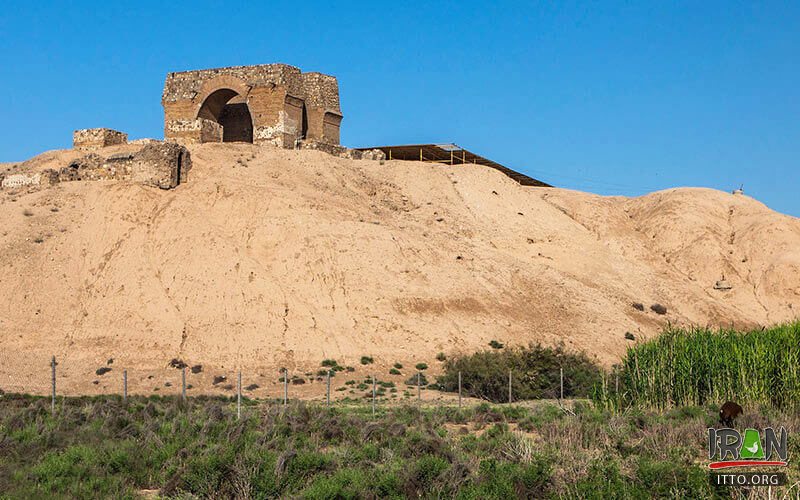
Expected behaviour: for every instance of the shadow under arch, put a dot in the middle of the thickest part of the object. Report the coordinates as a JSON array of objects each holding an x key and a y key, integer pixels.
[{"x": 228, "y": 108}]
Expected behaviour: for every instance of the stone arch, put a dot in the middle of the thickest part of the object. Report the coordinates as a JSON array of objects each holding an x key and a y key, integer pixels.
[{"x": 224, "y": 100}]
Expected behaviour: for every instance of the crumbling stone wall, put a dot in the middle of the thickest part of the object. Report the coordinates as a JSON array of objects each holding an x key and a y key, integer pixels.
[
  {"x": 159, "y": 164},
  {"x": 164, "y": 165},
  {"x": 343, "y": 152},
  {"x": 95, "y": 138},
  {"x": 195, "y": 131},
  {"x": 20, "y": 180},
  {"x": 271, "y": 103}
]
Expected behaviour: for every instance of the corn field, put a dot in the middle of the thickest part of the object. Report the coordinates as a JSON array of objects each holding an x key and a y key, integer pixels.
[{"x": 699, "y": 366}]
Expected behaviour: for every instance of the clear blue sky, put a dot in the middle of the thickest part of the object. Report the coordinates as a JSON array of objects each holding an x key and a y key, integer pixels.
[{"x": 614, "y": 98}]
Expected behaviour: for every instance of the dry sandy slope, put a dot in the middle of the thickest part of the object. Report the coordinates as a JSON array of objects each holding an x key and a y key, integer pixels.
[{"x": 270, "y": 258}]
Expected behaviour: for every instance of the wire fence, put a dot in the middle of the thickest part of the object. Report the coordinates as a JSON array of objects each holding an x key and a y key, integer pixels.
[{"x": 54, "y": 380}]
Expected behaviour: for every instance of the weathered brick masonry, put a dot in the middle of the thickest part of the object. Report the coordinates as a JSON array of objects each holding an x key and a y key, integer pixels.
[
  {"x": 159, "y": 164},
  {"x": 266, "y": 104},
  {"x": 94, "y": 138}
]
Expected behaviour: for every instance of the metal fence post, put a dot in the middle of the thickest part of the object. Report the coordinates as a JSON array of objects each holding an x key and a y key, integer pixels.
[
  {"x": 285, "y": 387},
  {"x": 328, "y": 389},
  {"x": 53, "y": 382},
  {"x": 373, "y": 395},
  {"x": 562, "y": 383},
  {"x": 509, "y": 386},
  {"x": 183, "y": 384},
  {"x": 459, "y": 390},
  {"x": 125, "y": 386},
  {"x": 239, "y": 397},
  {"x": 419, "y": 386}
]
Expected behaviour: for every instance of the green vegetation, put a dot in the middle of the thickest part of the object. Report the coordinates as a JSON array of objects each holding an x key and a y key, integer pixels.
[
  {"x": 367, "y": 360},
  {"x": 332, "y": 365},
  {"x": 421, "y": 366},
  {"x": 394, "y": 371},
  {"x": 100, "y": 448},
  {"x": 496, "y": 345},
  {"x": 418, "y": 378},
  {"x": 441, "y": 357},
  {"x": 398, "y": 366},
  {"x": 699, "y": 366},
  {"x": 535, "y": 373}
]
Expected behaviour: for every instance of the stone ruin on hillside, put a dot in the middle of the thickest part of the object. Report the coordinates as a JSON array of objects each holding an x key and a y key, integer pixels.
[
  {"x": 273, "y": 104},
  {"x": 158, "y": 164},
  {"x": 93, "y": 138},
  {"x": 266, "y": 104}
]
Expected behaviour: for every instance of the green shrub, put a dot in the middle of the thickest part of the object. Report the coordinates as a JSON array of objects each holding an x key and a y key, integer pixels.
[
  {"x": 496, "y": 345},
  {"x": 398, "y": 366},
  {"x": 366, "y": 360},
  {"x": 421, "y": 366},
  {"x": 665, "y": 479},
  {"x": 440, "y": 357},
  {"x": 535, "y": 373},
  {"x": 394, "y": 371},
  {"x": 329, "y": 362},
  {"x": 413, "y": 380},
  {"x": 425, "y": 471}
]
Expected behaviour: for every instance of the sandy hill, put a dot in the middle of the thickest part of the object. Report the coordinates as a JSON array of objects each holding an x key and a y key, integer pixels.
[{"x": 269, "y": 258}]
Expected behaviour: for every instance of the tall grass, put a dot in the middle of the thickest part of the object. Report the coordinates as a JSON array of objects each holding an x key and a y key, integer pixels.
[{"x": 699, "y": 366}]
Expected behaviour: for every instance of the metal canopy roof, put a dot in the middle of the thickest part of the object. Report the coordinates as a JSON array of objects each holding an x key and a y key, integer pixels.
[{"x": 451, "y": 154}]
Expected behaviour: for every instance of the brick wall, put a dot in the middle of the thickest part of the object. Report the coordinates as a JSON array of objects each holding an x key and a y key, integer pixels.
[
  {"x": 94, "y": 138},
  {"x": 275, "y": 95},
  {"x": 158, "y": 164}
]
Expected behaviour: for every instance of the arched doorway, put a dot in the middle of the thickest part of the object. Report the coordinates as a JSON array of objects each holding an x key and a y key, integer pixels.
[{"x": 230, "y": 110}]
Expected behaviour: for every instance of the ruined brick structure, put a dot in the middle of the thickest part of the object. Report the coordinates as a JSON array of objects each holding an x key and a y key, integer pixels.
[
  {"x": 158, "y": 164},
  {"x": 94, "y": 138},
  {"x": 266, "y": 104}
]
